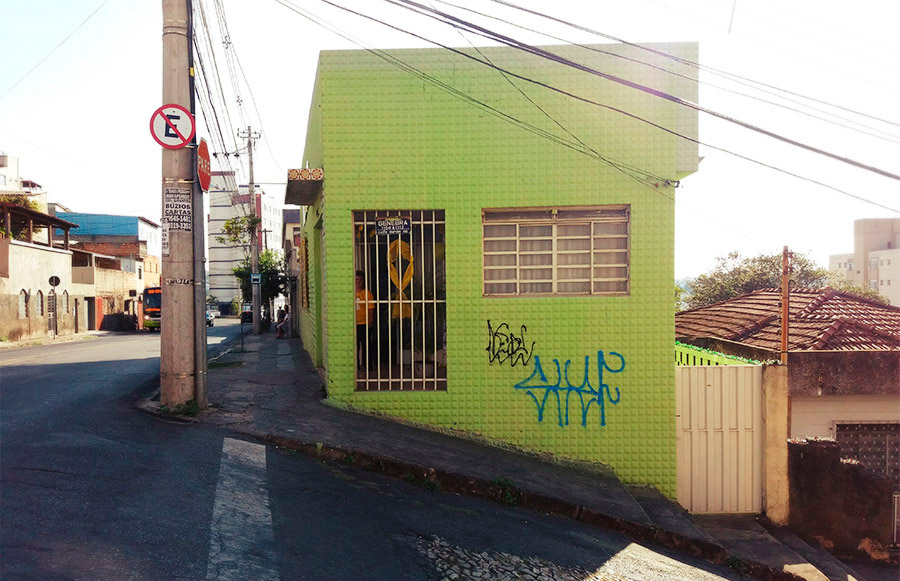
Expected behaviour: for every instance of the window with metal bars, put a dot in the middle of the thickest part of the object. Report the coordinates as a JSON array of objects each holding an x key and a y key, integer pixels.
[
  {"x": 556, "y": 251},
  {"x": 303, "y": 258},
  {"x": 400, "y": 300},
  {"x": 876, "y": 445}
]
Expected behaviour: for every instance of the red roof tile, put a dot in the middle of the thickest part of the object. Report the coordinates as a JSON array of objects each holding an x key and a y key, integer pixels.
[{"x": 820, "y": 319}]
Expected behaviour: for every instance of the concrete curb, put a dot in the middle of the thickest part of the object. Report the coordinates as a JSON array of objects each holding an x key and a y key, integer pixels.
[
  {"x": 498, "y": 491},
  {"x": 445, "y": 481}
]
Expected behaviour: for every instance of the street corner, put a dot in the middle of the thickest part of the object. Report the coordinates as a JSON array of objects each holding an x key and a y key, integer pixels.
[{"x": 188, "y": 413}]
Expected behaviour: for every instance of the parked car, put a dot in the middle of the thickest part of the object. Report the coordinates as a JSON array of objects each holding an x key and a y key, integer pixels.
[
  {"x": 209, "y": 319},
  {"x": 247, "y": 317},
  {"x": 213, "y": 313}
]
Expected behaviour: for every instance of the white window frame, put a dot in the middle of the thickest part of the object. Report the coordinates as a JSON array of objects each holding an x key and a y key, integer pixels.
[{"x": 556, "y": 217}]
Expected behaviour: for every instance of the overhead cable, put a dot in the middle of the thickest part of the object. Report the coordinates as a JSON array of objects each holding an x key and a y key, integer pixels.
[
  {"x": 538, "y": 51},
  {"x": 609, "y": 107}
]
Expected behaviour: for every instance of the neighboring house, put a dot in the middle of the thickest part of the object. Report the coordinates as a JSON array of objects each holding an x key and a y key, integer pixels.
[
  {"x": 228, "y": 200},
  {"x": 106, "y": 225},
  {"x": 13, "y": 186},
  {"x": 140, "y": 269},
  {"x": 875, "y": 260},
  {"x": 843, "y": 363},
  {"x": 294, "y": 259},
  {"x": 520, "y": 287},
  {"x": 30, "y": 307}
]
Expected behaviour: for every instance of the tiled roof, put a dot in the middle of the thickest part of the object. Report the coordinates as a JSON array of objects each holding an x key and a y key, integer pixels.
[{"x": 820, "y": 319}]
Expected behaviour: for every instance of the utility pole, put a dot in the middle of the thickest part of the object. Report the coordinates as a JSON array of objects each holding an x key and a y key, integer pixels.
[
  {"x": 785, "y": 302},
  {"x": 254, "y": 241},
  {"x": 177, "y": 353}
]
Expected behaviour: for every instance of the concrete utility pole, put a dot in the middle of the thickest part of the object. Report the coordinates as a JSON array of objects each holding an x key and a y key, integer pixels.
[
  {"x": 785, "y": 302},
  {"x": 177, "y": 352},
  {"x": 254, "y": 243}
]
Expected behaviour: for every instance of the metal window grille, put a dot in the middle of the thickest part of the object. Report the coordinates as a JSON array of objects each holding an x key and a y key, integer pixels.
[
  {"x": 401, "y": 345},
  {"x": 876, "y": 445},
  {"x": 556, "y": 251},
  {"x": 303, "y": 257}
]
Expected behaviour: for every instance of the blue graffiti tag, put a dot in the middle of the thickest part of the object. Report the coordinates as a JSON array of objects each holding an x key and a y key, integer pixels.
[{"x": 587, "y": 393}]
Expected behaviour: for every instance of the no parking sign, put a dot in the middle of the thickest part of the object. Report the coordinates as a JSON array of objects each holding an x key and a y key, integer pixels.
[{"x": 172, "y": 126}]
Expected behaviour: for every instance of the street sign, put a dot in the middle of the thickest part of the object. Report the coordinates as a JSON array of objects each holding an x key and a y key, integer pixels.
[
  {"x": 255, "y": 278},
  {"x": 54, "y": 281},
  {"x": 392, "y": 226},
  {"x": 172, "y": 126},
  {"x": 203, "y": 166}
]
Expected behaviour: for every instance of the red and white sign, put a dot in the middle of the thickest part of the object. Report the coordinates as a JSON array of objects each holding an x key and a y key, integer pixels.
[
  {"x": 172, "y": 126},
  {"x": 203, "y": 167}
]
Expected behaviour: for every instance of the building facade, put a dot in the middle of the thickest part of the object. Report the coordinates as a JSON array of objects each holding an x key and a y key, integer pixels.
[
  {"x": 469, "y": 265},
  {"x": 227, "y": 200},
  {"x": 93, "y": 225},
  {"x": 875, "y": 260}
]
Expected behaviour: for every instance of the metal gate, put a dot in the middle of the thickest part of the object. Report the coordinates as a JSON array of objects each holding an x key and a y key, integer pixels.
[
  {"x": 401, "y": 300},
  {"x": 719, "y": 411}
]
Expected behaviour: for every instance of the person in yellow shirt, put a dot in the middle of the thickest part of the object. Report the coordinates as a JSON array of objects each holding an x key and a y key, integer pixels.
[{"x": 365, "y": 319}]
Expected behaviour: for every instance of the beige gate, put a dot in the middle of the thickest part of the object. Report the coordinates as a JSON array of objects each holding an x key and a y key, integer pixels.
[{"x": 719, "y": 411}]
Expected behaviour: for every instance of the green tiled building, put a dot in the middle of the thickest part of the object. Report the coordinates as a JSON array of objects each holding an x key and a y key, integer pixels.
[{"x": 516, "y": 245}]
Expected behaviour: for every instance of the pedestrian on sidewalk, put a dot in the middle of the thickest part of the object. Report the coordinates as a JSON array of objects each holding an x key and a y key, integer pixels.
[
  {"x": 285, "y": 327},
  {"x": 279, "y": 325}
]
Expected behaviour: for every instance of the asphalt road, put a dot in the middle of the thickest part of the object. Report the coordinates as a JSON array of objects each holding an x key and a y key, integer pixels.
[{"x": 91, "y": 488}]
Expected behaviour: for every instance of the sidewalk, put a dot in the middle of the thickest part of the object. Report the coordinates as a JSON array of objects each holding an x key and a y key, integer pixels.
[{"x": 272, "y": 392}]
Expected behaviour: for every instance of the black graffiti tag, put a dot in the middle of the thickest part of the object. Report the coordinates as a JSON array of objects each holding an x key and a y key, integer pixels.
[{"x": 504, "y": 345}]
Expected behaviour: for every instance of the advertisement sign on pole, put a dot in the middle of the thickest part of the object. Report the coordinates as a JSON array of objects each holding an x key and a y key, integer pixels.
[{"x": 177, "y": 209}]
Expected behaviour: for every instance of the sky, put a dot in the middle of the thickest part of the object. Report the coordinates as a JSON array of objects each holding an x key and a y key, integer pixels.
[{"x": 81, "y": 78}]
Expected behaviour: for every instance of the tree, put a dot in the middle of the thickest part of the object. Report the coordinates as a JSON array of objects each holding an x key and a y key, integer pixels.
[
  {"x": 19, "y": 230},
  {"x": 272, "y": 274},
  {"x": 839, "y": 282},
  {"x": 735, "y": 275},
  {"x": 679, "y": 296},
  {"x": 237, "y": 231}
]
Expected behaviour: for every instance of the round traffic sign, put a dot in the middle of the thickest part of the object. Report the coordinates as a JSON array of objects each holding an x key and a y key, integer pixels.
[
  {"x": 172, "y": 126},
  {"x": 54, "y": 280},
  {"x": 203, "y": 167}
]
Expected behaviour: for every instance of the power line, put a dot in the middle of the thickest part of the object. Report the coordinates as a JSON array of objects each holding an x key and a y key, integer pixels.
[
  {"x": 860, "y": 126},
  {"x": 642, "y": 88},
  {"x": 685, "y": 61},
  {"x": 801, "y": 57},
  {"x": 579, "y": 147},
  {"x": 646, "y": 175},
  {"x": 240, "y": 67},
  {"x": 62, "y": 42},
  {"x": 405, "y": 67},
  {"x": 609, "y": 107}
]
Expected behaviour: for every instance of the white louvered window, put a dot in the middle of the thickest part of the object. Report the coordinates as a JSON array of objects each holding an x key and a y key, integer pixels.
[{"x": 556, "y": 251}]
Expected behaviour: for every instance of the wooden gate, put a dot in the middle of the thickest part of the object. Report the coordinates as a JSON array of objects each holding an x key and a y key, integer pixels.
[{"x": 719, "y": 412}]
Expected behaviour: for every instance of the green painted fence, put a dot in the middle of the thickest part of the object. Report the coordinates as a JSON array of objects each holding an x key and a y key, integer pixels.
[{"x": 690, "y": 355}]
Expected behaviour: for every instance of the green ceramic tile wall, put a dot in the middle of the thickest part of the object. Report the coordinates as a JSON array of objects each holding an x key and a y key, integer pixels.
[{"x": 390, "y": 140}]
